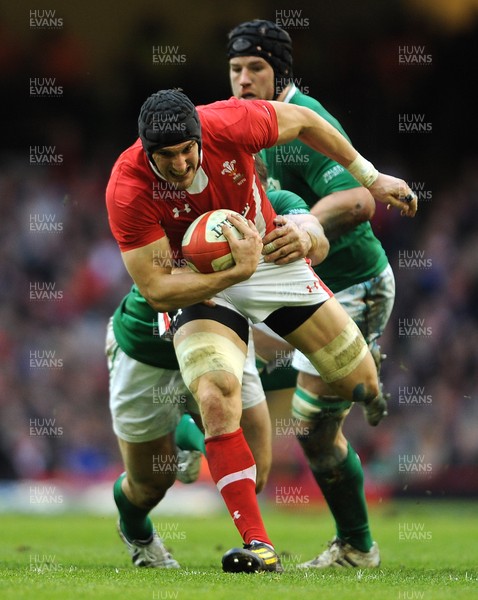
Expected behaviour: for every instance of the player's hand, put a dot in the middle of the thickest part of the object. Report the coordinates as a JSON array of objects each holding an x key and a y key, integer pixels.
[
  {"x": 286, "y": 243},
  {"x": 246, "y": 251},
  {"x": 395, "y": 192}
]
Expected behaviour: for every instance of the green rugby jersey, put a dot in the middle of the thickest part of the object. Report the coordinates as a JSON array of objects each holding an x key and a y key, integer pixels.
[
  {"x": 135, "y": 325},
  {"x": 287, "y": 203},
  {"x": 355, "y": 256}
]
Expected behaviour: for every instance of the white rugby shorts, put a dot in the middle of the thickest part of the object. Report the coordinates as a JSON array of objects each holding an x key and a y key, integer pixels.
[{"x": 273, "y": 287}]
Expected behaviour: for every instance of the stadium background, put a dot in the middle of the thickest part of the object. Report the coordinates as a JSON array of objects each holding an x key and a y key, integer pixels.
[{"x": 397, "y": 74}]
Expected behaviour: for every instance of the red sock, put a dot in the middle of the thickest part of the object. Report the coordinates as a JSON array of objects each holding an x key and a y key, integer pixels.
[{"x": 233, "y": 470}]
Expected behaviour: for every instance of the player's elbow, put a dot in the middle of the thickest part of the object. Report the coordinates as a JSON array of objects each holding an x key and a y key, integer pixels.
[
  {"x": 163, "y": 307},
  {"x": 363, "y": 213},
  {"x": 364, "y": 206},
  {"x": 158, "y": 305},
  {"x": 158, "y": 302}
]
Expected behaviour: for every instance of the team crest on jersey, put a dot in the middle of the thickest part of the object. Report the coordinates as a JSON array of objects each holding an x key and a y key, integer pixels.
[
  {"x": 230, "y": 169},
  {"x": 178, "y": 211}
]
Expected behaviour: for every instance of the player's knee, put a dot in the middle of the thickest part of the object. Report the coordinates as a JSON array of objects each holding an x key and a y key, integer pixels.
[
  {"x": 323, "y": 452},
  {"x": 319, "y": 421},
  {"x": 149, "y": 493},
  {"x": 324, "y": 444},
  {"x": 214, "y": 392},
  {"x": 212, "y": 367},
  {"x": 367, "y": 386},
  {"x": 218, "y": 395},
  {"x": 327, "y": 460},
  {"x": 215, "y": 385}
]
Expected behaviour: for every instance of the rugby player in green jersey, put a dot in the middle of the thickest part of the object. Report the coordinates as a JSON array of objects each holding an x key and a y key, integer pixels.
[{"x": 356, "y": 270}]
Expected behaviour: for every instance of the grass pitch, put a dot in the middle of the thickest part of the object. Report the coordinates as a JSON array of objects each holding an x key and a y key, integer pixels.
[{"x": 429, "y": 551}]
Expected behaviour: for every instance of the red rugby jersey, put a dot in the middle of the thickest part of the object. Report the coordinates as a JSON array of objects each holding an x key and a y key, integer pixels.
[{"x": 142, "y": 207}]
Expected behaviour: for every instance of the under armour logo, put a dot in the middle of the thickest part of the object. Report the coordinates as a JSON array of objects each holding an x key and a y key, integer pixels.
[
  {"x": 177, "y": 211},
  {"x": 311, "y": 288},
  {"x": 236, "y": 515}
]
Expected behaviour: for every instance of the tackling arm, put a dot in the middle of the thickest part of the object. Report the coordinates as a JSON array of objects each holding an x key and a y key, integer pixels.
[
  {"x": 340, "y": 212},
  {"x": 296, "y": 236},
  {"x": 304, "y": 124}
]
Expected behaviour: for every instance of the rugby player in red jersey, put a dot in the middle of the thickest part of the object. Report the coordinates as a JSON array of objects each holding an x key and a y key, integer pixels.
[{"x": 188, "y": 161}]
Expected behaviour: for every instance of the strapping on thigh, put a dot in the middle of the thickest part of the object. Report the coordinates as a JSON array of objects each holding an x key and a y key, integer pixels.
[
  {"x": 340, "y": 356},
  {"x": 202, "y": 352}
]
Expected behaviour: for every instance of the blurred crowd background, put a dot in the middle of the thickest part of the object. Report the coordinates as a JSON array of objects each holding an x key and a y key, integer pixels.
[{"x": 74, "y": 76}]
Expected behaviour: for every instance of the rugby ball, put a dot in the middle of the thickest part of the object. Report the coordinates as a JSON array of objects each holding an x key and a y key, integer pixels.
[{"x": 205, "y": 248}]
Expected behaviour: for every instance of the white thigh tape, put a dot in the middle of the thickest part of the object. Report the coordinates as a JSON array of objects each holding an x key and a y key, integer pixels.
[
  {"x": 341, "y": 356},
  {"x": 202, "y": 352}
]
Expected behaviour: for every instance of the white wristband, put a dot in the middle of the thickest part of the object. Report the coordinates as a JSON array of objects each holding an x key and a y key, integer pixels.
[{"x": 363, "y": 171}]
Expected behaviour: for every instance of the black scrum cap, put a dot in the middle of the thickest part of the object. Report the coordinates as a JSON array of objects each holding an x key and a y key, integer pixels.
[
  {"x": 167, "y": 118},
  {"x": 264, "y": 39}
]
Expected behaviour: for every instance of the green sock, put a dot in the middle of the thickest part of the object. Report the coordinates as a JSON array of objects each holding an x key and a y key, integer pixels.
[
  {"x": 134, "y": 521},
  {"x": 188, "y": 436},
  {"x": 343, "y": 490}
]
